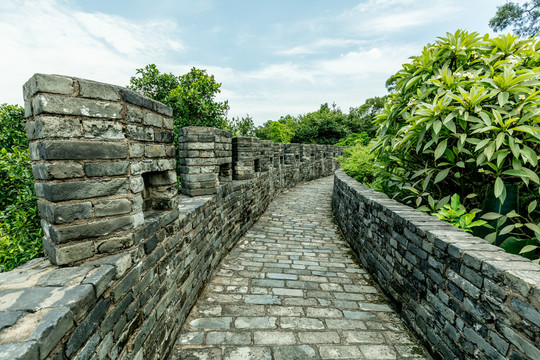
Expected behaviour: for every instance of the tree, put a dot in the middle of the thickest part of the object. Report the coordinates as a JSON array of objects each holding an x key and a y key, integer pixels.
[
  {"x": 20, "y": 231},
  {"x": 324, "y": 126},
  {"x": 192, "y": 95},
  {"x": 243, "y": 126},
  {"x": 525, "y": 18},
  {"x": 360, "y": 119}
]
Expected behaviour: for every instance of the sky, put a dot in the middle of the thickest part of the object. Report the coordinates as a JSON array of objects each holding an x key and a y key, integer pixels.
[{"x": 273, "y": 57}]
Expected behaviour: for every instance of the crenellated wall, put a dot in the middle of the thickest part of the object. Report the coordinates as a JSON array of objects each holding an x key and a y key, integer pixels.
[
  {"x": 128, "y": 255},
  {"x": 465, "y": 298}
]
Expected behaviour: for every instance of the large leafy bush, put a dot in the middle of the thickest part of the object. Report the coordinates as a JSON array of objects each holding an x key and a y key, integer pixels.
[
  {"x": 20, "y": 232},
  {"x": 465, "y": 119}
]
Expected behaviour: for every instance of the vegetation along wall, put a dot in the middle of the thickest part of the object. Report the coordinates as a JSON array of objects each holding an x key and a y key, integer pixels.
[
  {"x": 464, "y": 297},
  {"x": 127, "y": 254}
]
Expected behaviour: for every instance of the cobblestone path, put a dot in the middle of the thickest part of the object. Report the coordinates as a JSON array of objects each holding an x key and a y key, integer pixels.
[{"x": 290, "y": 289}]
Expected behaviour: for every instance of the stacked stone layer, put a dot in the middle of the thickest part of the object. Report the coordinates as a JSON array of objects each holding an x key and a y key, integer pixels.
[{"x": 464, "y": 297}]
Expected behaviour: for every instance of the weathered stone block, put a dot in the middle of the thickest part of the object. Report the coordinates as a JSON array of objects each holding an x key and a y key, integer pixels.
[
  {"x": 79, "y": 190},
  {"x": 69, "y": 253},
  {"x": 96, "y": 90},
  {"x": 81, "y": 150},
  {"x": 153, "y": 119},
  {"x": 102, "y": 129},
  {"x": 61, "y": 105},
  {"x": 57, "y": 170},
  {"x": 48, "y": 84},
  {"x": 109, "y": 168},
  {"x": 51, "y": 126},
  {"x": 64, "y": 213},
  {"x": 68, "y": 233},
  {"x": 112, "y": 207},
  {"x": 140, "y": 133}
]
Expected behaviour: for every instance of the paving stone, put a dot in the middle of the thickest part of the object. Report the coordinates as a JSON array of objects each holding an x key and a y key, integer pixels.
[
  {"x": 301, "y": 323},
  {"x": 255, "y": 322},
  {"x": 319, "y": 337},
  {"x": 339, "y": 352},
  {"x": 274, "y": 338},
  {"x": 246, "y": 353},
  {"x": 228, "y": 338},
  {"x": 211, "y": 323},
  {"x": 378, "y": 352},
  {"x": 300, "y": 352}
]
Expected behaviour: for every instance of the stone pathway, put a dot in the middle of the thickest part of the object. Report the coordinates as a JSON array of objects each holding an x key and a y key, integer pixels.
[{"x": 290, "y": 290}]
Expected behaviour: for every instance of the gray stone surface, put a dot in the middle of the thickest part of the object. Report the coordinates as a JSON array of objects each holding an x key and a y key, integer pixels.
[{"x": 291, "y": 290}]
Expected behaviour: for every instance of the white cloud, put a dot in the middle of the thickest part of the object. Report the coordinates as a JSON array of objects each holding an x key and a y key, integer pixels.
[
  {"x": 49, "y": 36},
  {"x": 320, "y": 45}
]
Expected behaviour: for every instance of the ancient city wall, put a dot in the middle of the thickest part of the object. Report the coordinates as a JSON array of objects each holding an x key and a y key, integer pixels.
[
  {"x": 464, "y": 297},
  {"x": 127, "y": 254}
]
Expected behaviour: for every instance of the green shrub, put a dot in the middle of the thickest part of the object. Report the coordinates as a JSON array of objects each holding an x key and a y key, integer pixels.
[
  {"x": 358, "y": 163},
  {"x": 20, "y": 231},
  {"x": 464, "y": 119},
  {"x": 353, "y": 139}
]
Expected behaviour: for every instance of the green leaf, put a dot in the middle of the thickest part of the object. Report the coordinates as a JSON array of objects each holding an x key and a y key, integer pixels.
[
  {"x": 499, "y": 187},
  {"x": 439, "y": 151},
  {"x": 502, "y": 98},
  {"x": 491, "y": 216},
  {"x": 441, "y": 175},
  {"x": 531, "y": 207},
  {"x": 528, "y": 248},
  {"x": 513, "y": 245}
]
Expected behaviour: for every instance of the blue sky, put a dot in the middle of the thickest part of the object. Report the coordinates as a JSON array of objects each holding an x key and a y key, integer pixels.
[{"x": 272, "y": 57}]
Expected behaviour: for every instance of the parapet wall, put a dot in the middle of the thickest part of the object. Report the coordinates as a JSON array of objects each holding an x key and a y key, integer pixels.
[
  {"x": 127, "y": 255},
  {"x": 464, "y": 297}
]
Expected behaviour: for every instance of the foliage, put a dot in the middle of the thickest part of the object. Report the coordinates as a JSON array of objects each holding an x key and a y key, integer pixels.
[
  {"x": 358, "y": 163},
  {"x": 353, "y": 139},
  {"x": 243, "y": 126},
  {"x": 360, "y": 119},
  {"x": 456, "y": 214},
  {"x": 463, "y": 120},
  {"x": 324, "y": 126},
  {"x": 20, "y": 231},
  {"x": 192, "y": 95},
  {"x": 277, "y": 131},
  {"x": 524, "y": 19}
]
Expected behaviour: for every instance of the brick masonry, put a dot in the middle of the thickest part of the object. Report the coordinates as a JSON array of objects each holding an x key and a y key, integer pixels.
[
  {"x": 464, "y": 297},
  {"x": 128, "y": 255}
]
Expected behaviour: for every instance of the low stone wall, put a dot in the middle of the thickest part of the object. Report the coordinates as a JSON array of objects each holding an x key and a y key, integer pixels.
[
  {"x": 128, "y": 255},
  {"x": 464, "y": 297}
]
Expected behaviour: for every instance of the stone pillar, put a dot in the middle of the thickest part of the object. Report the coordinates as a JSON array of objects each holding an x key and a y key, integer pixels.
[
  {"x": 278, "y": 155},
  {"x": 292, "y": 154},
  {"x": 205, "y": 159},
  {"x": 267, "y": 155},
  {"x": 246, "y": 157},
  {"x": 102, "y": 157}
]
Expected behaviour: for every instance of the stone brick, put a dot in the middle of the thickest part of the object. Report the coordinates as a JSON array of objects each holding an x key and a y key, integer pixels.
[
  {"x": 96, "y": 90},
  {"x": 96, "y": 228},
  {"x": 64, "y": 213},
  {"x": 81, "y": 150},
  {"x": 102, "y": 129},
  {"x": 61, "y": 105},
  {"x": 83, "y": 331},
  {"x": 51, "y": 126},
  {"x": 109, "y": 168},
  {"x": 57, "y": 170},
  {"x": 47, "y": 84},
  {"x": 69, "y": 253},
  {"x": 80, "y": 190},
  {"x": 112, "y": 207}
]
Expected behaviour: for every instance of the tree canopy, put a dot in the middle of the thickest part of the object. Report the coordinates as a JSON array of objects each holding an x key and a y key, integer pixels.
[
  {"x": 524, "y": 19},
  {"x": 192, "y": 95}
]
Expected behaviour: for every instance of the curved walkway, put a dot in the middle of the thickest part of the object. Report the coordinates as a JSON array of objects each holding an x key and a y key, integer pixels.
[{"x": 290, "y": 289}]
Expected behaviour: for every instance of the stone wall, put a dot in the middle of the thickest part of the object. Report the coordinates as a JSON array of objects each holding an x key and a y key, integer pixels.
[
  {"x": 128, "y": 255},
  {"x": 464, "y": 297}
]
